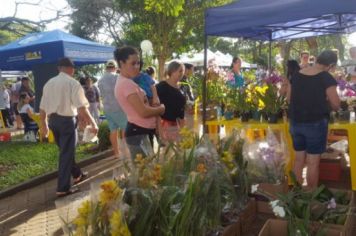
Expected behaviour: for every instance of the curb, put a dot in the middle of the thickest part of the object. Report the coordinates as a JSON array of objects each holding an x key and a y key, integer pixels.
[{"x": 51, "y": 175}]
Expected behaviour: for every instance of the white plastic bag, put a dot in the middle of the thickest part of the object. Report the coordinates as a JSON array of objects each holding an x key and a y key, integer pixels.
[
  {"x": 88, "y": 136},
  {"x": 341, "y": 145}
]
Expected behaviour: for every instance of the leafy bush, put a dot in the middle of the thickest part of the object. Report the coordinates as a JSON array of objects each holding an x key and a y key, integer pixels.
[{"x": 104, "y": 136}]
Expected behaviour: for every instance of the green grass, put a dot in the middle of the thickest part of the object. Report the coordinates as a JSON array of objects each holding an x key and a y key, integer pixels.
[{"x": 21, "y": 161}]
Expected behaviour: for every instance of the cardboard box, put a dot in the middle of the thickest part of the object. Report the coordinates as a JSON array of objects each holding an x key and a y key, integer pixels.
[
  {"x": 248, "y": 215},
  {"x": 232, "y": 230},
  {"x": 262, "y": 203},
  {"x": 274, "y": 227},
  {"x": 330, "y": 169}
]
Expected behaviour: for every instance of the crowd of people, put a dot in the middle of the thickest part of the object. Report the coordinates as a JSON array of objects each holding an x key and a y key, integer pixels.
[
  {"x": 136, "y": 106},
  {"x": 16, "y": 105}
]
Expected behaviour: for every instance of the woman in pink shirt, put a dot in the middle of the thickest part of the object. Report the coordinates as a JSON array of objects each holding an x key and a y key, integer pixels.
[{"x": 141, "y": 117}]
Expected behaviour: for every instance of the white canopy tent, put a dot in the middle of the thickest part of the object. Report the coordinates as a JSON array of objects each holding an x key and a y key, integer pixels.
[{"x": 218, "y": 57}]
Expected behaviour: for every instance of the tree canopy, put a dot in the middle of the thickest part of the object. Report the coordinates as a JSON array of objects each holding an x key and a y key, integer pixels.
[{"x": 171, "y": 25}]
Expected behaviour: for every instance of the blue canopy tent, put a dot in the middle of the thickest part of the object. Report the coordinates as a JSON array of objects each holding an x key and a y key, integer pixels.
[
  {"x": 281, "y": 19},
  {"x": 40, "y": 52},
  {"x": 273, "y": 20}
]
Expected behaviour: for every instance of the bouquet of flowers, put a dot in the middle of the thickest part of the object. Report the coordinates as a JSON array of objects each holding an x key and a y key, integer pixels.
[
  {"x": 230, "y": 150},
  {"x": 266, "y": 158},
  {"x": 184, "y": 190},
  {"x": 102, "y": 215}
]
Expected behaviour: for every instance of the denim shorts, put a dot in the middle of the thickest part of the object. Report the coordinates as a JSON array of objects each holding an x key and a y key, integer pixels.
[
  {"x": 116, "y": 120},
  {"x": 309, "y": 137}
]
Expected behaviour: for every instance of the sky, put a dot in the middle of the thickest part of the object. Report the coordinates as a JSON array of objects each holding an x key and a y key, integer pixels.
[{"x": 47, "y": 8}]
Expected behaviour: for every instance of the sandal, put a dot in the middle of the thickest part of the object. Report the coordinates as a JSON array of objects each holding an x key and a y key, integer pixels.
[
  {"x": 69, "y": 192},
  {"x": 81, "y": 178}
]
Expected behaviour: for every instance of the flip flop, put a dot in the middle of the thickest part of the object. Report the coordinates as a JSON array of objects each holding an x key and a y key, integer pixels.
[
  {"x": 69, "y": 192},
  {"x": 81, "y": 178}
]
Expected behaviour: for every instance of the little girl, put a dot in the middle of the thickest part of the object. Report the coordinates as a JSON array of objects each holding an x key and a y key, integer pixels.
[{"x": 26, "y": 112}]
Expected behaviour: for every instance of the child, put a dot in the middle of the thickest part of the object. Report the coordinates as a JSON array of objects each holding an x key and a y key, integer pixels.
[
  {"x": 26, "y": 112},
  {"x": 147, "y": 83}
]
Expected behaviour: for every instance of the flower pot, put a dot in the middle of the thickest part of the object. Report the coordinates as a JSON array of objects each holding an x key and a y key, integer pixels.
[
  {"x": 229, "y": 115},
  {"x": 343, "y": 115},
  {"x": 256, "y": 115},
  {"x": 245, "y": 116},
  {"x": 273, "y": 118}
]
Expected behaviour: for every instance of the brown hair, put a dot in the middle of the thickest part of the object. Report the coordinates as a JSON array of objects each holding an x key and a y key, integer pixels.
[{"x": 173, "y": 67}]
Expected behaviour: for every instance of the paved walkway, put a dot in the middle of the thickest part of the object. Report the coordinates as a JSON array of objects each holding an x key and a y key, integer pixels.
[{"x": 33, "y": 211}]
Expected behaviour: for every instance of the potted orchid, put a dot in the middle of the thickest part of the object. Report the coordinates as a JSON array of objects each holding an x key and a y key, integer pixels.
[
  {"x": 304, "y": 214},
  {"x": 242, "y": 102},
  {"x": 273, "y": 102}
]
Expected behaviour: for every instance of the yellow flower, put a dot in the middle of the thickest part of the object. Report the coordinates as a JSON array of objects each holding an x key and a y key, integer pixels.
[
  {"x": 118, "y": 225},
  {"x": 80, "y": 231},
  {"x": 201, "y": 168},
  {"x": 157, "y": 173},
  {"x": 261, "y": 104},
  {"x": 139, "y": 157},
  {"x": 187, "y": 138},
  {"x": 80, "y": 221},
  {"x": 226, "y": 157},
  {"x": 228, "y": 160},
  {"x": 110, "y": 191},
  {"x": 261, "y": 90},
  {"x": 85, "y": 208}
]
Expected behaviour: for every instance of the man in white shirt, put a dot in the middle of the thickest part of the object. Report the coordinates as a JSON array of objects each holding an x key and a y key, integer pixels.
[
  {"x": 5, "y": 106},
  {"x": 62, "y": 100}
]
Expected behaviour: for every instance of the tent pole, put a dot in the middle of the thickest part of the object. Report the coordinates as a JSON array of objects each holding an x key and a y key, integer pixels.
[
  {"x": 270, "y": 52},
  {"x": 204, "y": 93}
]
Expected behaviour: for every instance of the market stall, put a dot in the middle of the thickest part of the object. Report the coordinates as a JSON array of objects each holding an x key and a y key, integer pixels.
[
  {"x": 270, "y": 20},
  {"x": 39, "y": 53}
]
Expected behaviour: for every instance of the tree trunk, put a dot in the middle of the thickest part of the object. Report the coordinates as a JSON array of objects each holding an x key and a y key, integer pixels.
[
  {"x": 285, "y": 53},
  {"x": 313, "y": 45},
  {"x": 161, "y": 61},
  {"x": 340, "y": 46}
]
